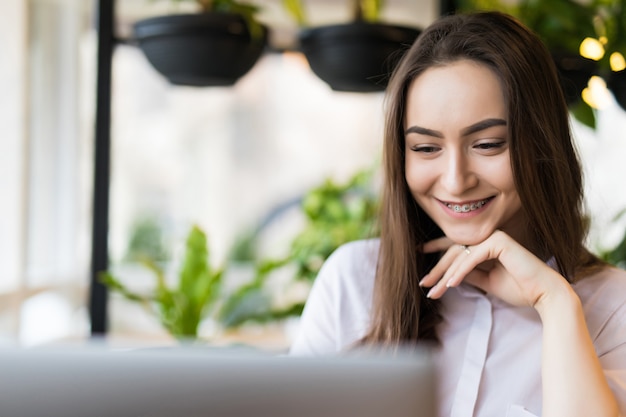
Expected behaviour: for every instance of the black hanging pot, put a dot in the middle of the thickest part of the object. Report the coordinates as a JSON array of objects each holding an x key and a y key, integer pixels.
[
  {"x": 617, "y": 85},
  {"x": 358, "y": 56},
  {"x": 574, "y": 73},
  {"x": 203, "y": 49}
]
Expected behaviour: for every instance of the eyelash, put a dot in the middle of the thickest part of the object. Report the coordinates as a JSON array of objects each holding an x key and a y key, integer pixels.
[
  {"x": 486, "y": 146},
  {"x": 490, "y": 145},
  {"x": 424, "y": 149}
]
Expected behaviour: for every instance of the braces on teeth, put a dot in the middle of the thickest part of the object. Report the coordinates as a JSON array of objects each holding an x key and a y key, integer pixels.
[{"x": 466, "y": 207}]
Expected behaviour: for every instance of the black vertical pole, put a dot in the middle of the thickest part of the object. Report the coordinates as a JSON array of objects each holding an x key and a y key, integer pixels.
[{"x": 102, "y": 162}]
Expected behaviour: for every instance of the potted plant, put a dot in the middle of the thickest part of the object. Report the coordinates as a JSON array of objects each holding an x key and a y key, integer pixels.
[
  {"x": 214, "y": 47},
  {"x": 357, "y": 56},
  {"x": 197, "y": 294}
]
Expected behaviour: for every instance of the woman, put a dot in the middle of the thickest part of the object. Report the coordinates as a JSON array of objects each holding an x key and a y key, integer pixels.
[{"x": 481, "y": 248}]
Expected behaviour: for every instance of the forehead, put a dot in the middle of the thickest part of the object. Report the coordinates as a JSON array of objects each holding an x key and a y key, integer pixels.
[{"x": 458, "y": 94}]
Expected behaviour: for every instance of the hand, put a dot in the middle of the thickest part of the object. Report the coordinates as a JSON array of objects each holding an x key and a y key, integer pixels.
[{"x": 499, "y": 265}]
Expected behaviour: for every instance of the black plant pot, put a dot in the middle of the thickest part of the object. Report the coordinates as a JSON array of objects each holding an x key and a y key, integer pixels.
[
  {"x": 204, "y": 49},
  {"x": 617, "y": 85},
  {"x": 574, "y": 73},
  {"x": 358, "y": 56}
]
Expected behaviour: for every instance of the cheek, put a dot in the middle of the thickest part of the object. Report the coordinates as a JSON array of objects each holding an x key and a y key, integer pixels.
[
  {"x": 502, "y": 176},
  {"x": 418, "y": 178}
]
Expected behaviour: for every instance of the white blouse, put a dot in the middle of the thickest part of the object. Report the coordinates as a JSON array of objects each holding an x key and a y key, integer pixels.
[{"x": 489, "y": 361}]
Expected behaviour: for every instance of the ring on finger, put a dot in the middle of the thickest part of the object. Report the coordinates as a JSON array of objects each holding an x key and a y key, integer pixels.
[{"x": 466, "y": 249}]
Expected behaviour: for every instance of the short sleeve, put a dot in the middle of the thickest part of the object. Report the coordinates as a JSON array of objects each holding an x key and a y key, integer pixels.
[
  {"x": 317, "y": 328},
  {"x": 337, "y": 310}
]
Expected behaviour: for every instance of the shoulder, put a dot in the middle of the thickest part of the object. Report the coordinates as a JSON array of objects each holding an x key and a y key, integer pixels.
[
  {"x": 352, "y": 266},
  {"x": 356, "y": 252},
  {"x": 603, "y": 296},
  {"x": 337, "y": 309},
  {"x": 606, "y": 286}
]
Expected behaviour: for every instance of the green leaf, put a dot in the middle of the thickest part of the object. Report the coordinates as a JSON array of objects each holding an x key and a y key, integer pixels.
[
  {"x": 371, "y": 9},
  {"x": 296, "y": 9},
  {"x": 195, "y": 270},
  {"x": 116, "y": 285}
]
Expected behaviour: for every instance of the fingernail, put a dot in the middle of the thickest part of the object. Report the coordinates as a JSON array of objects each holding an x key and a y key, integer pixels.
[
  {"x": 421, "y": 283},
  {"x": 430, "y": 293}
]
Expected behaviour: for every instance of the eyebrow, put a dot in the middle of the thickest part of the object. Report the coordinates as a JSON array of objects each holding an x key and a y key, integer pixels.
[{"x": 476, "y": 127}]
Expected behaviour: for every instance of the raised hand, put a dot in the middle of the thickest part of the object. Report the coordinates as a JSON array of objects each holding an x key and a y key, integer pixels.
[{"x": 499, "y": 266}]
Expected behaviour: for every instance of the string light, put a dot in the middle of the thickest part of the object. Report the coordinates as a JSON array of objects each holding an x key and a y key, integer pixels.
[
  {"x": 596, "y": 94},
  {"x": 617, "y": 61},
  {"x": 591, "y": 48}
]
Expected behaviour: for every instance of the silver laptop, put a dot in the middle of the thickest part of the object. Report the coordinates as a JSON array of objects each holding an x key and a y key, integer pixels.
[{"x": 186, "y": 382}]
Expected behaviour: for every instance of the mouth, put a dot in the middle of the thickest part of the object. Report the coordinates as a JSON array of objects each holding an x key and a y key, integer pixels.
[{"x": 466, "y": 206}]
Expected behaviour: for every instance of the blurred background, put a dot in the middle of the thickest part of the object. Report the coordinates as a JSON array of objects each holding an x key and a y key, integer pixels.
[{"x": 268, "y": 175}]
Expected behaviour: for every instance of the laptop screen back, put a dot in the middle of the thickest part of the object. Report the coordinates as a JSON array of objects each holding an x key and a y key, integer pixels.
[{"x": 183, "y": 382}]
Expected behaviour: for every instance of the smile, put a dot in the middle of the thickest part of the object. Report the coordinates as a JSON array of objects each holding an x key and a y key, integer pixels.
[{"x": 467, "y": 207}]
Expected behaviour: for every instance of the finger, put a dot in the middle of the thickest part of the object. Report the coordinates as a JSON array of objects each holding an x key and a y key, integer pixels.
[
  {"x": 437, "y": 245},
  {"x": 459, "y": 271},
  {"x": 447, "y": 280},
  {"x": 431, "y": 278},
  {"x": 438, "y": 277},
  {"x": 437, "y": 291},
  {"x": 478, "y": 279}
]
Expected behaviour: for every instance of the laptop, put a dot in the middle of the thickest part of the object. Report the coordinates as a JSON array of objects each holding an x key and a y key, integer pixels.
[{"x": 194, "y": 382}]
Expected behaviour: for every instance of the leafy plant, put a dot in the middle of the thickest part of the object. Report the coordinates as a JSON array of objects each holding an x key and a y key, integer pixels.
[
  {"x": 230, "y": 6},
  {"x": 363, "y": 10},
  {"x": 561, "y": 24},
  {"x": 335, "y": 214},
  {"x": 246, "y": 10},
  {"x": 180, "y": 309}
]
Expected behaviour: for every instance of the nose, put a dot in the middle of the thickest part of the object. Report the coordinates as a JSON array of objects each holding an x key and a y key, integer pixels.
[{"x": 459, "y": 174}]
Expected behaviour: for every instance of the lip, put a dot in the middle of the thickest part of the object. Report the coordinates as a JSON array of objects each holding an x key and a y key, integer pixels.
[{"x": 447, "y": 207}]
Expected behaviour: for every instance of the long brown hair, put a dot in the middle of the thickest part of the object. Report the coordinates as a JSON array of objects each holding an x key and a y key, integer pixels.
[{"x": 546, "y": 169}]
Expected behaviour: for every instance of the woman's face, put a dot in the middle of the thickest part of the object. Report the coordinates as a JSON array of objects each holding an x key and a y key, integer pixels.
[{"x": 457, "y": 152}]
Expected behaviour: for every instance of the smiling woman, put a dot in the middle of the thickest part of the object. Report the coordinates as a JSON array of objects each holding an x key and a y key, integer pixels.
[
  {"x": 459, "y": 170},
  {"x": 481, "y": 252}
]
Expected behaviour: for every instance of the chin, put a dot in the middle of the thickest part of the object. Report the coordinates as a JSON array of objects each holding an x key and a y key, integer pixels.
[{"x": 469, "y": 238}]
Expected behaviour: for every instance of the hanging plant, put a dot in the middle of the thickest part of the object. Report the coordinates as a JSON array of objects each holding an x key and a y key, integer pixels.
[
  {"x": 214, "y": 47},
  {"x": 357, "y": 56}
]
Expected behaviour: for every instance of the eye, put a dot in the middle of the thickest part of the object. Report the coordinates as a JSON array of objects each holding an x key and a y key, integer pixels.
[
  {"x": 425, "y": 149},
  {"x": 490, "y": 146}
]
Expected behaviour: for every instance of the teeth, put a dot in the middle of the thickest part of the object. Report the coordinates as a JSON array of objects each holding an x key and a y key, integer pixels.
[{"x": 465, "y": 208}]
